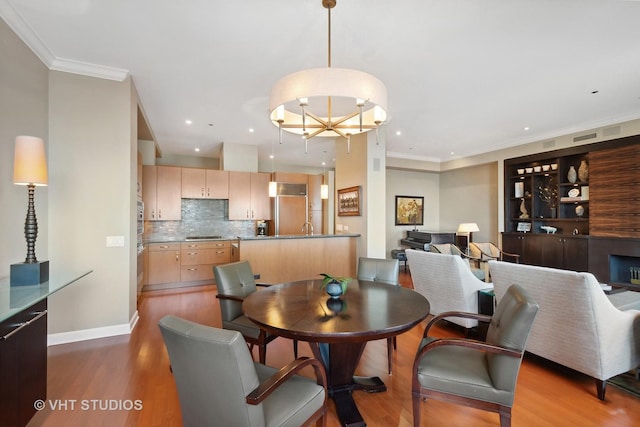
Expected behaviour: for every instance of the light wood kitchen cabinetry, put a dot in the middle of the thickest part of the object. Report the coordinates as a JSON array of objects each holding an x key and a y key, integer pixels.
[
  {"x": 161, "y": 193},
  {"x": 290, "y": 178},
  {"x": 164, "y": 263},
  {"x": 205, "y": 184},
  {"x": 315, "y": 202},
  {"x": 198, "y": 259},
  {"x": 249, "y": 196}
]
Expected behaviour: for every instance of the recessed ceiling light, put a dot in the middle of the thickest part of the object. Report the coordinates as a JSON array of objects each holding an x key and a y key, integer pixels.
[
  {"x": 271, "y": 156},
  {"x": 452, "y": 153},
  {"x": 188, "y": 121},
  {"x": 197, "y": 150},
  {"x": 526, "y": 128},
  {"x": 250, "y": 130},
  {"x": 399, "y": 132}
]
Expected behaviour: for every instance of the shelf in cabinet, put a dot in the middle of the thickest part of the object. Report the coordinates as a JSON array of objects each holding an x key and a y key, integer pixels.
[{"x": 583, "y": 219}]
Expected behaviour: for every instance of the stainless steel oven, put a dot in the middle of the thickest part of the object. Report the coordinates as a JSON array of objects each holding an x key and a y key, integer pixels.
[{"x": 140, "y": 224}]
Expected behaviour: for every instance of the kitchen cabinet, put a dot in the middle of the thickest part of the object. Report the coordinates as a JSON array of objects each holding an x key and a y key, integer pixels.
[
  {"x": 204, "y": 184},
  {"x": 23, "y": 364},
  {"x": 199, "y": 258},
  {"x": 315, "y": 203},
  {"x": 249, "y": 196},
  {"x": 164, "y": 263},
  {"x": 161, "y": 193}
]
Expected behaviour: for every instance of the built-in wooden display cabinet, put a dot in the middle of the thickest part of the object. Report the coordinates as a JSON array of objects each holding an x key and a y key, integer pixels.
[{"x": 576, "y": 208}]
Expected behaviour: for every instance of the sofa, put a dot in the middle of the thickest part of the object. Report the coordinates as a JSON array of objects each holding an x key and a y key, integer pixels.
[
  {"x": 578, "y": 325},
  {"x": 447, "y": 283}
]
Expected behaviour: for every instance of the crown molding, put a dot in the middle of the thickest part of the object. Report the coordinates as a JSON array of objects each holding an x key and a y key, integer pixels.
[
  {"x": 86, "y": 69},
  {"x": 19, "y": 26}
]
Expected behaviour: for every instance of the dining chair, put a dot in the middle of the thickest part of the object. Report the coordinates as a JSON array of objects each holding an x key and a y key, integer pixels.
[
  {"x": 219, "y": 384},
  {"x": 235, "y": 281},
  {"x": 479, "y": 374},
  {"x": 383, "y": 271}
]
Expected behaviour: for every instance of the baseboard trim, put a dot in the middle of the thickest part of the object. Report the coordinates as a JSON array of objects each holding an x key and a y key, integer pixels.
[{"x": 95, "y": 333}]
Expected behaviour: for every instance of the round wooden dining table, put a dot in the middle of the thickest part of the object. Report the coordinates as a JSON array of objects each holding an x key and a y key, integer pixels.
[{"x": 337, "y": 330}]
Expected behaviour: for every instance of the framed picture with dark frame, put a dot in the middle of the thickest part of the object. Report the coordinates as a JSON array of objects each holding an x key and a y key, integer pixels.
[
  {"x": 409, "y": 210},
  {"x": 349, "y": 201}
]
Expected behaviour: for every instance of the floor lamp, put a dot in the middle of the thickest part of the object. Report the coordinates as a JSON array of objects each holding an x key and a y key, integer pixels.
[
  {"x": 30, "y": 169},
  {"x": 467, "y": 228}
]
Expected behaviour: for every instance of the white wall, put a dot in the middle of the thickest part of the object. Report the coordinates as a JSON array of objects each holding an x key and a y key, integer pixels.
[
  {"x": 471, "y": 195},
  {"x": 411, "y": 183},
  {"x": 23, "y": 111},
  {"x": 93, "y": 154}
]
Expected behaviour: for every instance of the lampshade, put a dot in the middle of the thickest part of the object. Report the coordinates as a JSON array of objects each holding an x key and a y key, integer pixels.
[
  {"x": 273, "y": 189},
  {"x": 324, "y": 191},
  {"x": 328, "y": 101},
  {"x": 468, "y": 227},
  {"x": 29, "y": 162}
]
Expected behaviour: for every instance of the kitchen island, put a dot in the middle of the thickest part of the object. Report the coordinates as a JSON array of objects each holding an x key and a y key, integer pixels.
[{"x": 288, "y": 258}]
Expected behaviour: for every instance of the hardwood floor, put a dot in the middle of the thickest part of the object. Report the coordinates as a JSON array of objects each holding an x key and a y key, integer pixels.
[{"x": 103, "y": 382}]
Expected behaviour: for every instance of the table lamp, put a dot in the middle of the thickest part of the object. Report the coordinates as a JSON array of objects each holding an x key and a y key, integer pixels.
[
  {"x": 468, "y": 228},
  {"x": 30, "y": 169}
]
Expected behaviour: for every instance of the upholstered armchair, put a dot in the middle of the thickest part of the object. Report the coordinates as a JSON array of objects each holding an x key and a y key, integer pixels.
[
  {"x": 220, "y": 385},
  {"x": 447, "y": 282},
  {"x": 474, "y": 263},
  {"x": 488, "y": 251},
  {"x": 384, "y": 271},
  {"x": 480, "y": 374},
  {"x": 235, "y": 282}
]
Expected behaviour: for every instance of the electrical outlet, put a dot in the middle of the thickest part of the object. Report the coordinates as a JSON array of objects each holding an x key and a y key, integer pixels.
[{"x": 115, "y": 241}]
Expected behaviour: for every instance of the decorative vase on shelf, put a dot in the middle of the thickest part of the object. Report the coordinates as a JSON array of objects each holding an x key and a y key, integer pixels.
[
  {"x": 572, "y": 175},
  {"x": 583, "y": 171},
  {"x": 579, "y": 211}
]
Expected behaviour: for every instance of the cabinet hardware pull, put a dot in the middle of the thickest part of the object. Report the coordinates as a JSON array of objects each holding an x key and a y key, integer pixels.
[
  {"x": 38, "y": 315},
  {"x": 193, "y": 253},
  {"x": 192, "y": 269},
  {"x": 177, "y": 256},
  {"x": 219, "y": 252}
]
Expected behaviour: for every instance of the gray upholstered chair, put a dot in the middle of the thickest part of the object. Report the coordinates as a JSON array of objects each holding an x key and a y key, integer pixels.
[
  {"x": 235, "y": 281},
  {"x": 383, "y": 271},
  {"x": 473, "y": 262},
  {"x": 220, "y": 385},
  {"x": 479, "y": 374},
  {"x": 487, "y": 251}
]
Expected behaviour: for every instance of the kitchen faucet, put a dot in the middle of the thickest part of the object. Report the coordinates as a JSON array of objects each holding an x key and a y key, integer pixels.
[{"x": 310, "y": 227}]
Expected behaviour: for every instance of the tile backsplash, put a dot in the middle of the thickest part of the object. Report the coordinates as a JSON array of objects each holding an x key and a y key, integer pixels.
[{"x": 200, "y": 217}]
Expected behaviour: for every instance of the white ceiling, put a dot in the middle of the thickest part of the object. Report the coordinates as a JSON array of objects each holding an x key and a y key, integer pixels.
[{"x": 463, "y": 76}]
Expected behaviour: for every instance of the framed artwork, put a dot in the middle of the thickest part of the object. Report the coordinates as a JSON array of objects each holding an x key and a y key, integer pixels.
[
  {"x": 349, "y": 201},
  {"x": 524, "y": 226},
  {"x": 409, "y": 210}
]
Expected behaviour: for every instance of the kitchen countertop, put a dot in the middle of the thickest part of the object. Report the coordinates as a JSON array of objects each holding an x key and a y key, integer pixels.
[
  {"x": 300, "y": 236},
  {"x": 180, "y": 239}
]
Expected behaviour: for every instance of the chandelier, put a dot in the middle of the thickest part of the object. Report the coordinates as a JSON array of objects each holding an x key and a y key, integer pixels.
[{"x": 328, "y": 102}]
